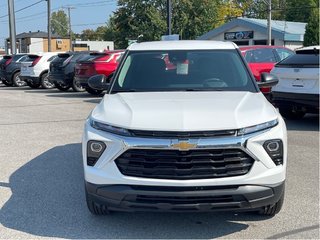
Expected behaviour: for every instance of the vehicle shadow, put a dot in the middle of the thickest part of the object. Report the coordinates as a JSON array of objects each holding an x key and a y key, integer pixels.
[
  {"x": 48, "y": 200},
  {"x": 309, "y": 123},
  {"x": 74, "y": 95}
]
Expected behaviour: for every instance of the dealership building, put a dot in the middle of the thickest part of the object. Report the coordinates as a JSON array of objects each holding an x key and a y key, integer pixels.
[{"x": 251, "y": 31}]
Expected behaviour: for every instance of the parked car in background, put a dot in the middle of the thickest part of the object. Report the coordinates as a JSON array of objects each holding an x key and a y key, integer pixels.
[
  {"x": 298, "y": 90},
  {"x": 34, "y": 70},
  {"x": 62, "y": 70},
  {"x": 97, "y": 63},
  {"x": 262, "y": 58},
  {"x": 10, "y": 69}
]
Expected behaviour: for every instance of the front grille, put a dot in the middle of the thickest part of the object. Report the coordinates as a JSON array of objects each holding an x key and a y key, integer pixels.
[
  {"x": 173, "y": 134},
  {"x": 193, "y": 164}
]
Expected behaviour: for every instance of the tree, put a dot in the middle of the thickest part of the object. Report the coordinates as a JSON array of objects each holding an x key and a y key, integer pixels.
[
  {"x": 299, "y": 10},
  {"x": 190, "y": 19},
  {"x": 88, "y": 35},
  {"x": 311, "y": 37},
  {"x": 59, "y": 23}
]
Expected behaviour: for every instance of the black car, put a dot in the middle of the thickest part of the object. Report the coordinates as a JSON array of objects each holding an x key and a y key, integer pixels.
[
  {"x": 10, "y": 70},
  {"x": 62, "y": 70}
]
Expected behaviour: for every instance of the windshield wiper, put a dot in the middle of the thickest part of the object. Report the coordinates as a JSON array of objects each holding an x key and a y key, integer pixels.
[
  {"x": 124, "y": 90},
  {"x": 202, "y": 90}
]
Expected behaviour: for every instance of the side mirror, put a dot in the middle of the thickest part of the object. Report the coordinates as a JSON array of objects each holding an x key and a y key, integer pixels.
[
  {"x": 268, "y": 80},
  {"x": 98, "y": 82}
]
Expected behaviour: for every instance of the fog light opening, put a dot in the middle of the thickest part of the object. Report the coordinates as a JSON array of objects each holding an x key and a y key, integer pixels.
[
  {"x": 96, "y": 147},
  {"x": 94, "y": 151},
  {"x": 273, "y": 146}
]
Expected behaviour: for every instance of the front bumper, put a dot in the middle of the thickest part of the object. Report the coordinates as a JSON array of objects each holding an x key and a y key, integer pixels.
[
  {"x": 29, "y": 79},
  {"x": 261, "y": 186},
  {"x": 189, "y": 199},
  {"x": 309, "y": 102}
]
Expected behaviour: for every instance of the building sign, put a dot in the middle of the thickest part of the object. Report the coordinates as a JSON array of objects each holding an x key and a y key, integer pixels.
[{"x": 238, "y": 35}]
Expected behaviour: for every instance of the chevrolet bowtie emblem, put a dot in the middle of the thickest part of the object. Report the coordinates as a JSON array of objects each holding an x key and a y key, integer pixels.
[{"x": 183, "y": 145}]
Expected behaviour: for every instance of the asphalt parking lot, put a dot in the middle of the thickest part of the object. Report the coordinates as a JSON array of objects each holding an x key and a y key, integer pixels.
[{"x": 41, "y": 180}]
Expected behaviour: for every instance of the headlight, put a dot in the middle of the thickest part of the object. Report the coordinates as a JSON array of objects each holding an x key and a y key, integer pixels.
[
  {"x": 109, "y": 128},
  {"x": 257, "y": 128}
]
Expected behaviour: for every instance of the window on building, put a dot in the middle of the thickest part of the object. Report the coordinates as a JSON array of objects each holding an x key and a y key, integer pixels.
[
  {"x": 241, "y": 43},
  {"x": 262, "y": 42}
]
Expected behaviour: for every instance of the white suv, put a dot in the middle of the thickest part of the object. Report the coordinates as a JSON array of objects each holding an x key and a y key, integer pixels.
[
  {"x": 298, "y": 90},
  {"x": 184, "y": 127},
  {"x": 34, "y": 70}
]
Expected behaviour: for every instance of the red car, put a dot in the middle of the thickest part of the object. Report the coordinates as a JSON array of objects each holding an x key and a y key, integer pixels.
[
  {"x": 97, "y": 63},
  {"x": 263, "y": 58}
]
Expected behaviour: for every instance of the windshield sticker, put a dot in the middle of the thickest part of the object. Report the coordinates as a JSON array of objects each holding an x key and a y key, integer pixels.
[{"x": 183, "y": 68}]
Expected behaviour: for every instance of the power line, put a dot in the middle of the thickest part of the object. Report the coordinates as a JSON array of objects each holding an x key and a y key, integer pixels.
[{"x": 21, "y": 9}]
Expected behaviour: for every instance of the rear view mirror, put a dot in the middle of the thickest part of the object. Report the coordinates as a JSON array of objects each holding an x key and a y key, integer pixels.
[
  {"x": 268, "y": 80},
  {"x": 98, "y": 82}
]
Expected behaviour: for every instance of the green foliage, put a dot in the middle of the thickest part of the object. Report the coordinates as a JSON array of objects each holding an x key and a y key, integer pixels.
[
  {"x": 299, "y": 10},
  {"x": 192, "y": 18},
  {"x": 59, "y": 23},
  {"x": 311, "y": 36}
]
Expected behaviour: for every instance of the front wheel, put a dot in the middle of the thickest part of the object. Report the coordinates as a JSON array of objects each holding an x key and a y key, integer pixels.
[
  {"x": 17, "y": 82},
  {"x": 288, "y": 113},
  {"x": 272, "y": 210},
  {"x": 76, "y": 86},
  {"x": 93, "y": 91},
  {"x": 45, "y": 82},
  {"x": 96, "y": 208}
]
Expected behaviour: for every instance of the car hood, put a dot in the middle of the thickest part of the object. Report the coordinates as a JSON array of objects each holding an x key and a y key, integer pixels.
[{"x": 184, "y": 111}]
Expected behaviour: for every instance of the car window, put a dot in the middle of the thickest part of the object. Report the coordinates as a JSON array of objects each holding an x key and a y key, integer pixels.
[
  {"x": 51, "y": 58},
  {"x": 23, "y": 59},
  {"x": 210, "y": 70},
  {"x": 263, "y": 55},
  {"x": 300, "y": 60},
  {"x": 283, "y": 53},
  {"x": 17, "y": 57}
]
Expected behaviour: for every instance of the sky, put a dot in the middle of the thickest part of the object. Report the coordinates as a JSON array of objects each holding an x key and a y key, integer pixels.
[{"x": 85, "y": 14}]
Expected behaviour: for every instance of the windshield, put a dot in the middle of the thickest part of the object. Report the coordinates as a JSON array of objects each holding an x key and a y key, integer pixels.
[{"x": 183, "y": 70}]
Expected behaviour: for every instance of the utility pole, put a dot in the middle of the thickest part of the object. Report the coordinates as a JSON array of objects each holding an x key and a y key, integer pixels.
[
  {"x": 169, "y": 16},
  {"x": 12, "y": 26},
  {"x": 49, "y": 25},
  {"x": 269, "y": 22},
  {"x": 70, "y": 32}
]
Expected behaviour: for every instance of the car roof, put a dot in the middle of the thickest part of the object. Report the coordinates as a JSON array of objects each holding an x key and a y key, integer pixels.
[
  {"x": 308, "y": 48},
  {"x": 243, "y": 49},
  {"x": 181, "y": 45}
]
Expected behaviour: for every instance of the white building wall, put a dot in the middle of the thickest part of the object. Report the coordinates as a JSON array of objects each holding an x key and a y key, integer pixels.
[
  {"x": 293, "y": 45},
  {"x": 97, "y": 45},
  {"x": 36, "y": 45}
]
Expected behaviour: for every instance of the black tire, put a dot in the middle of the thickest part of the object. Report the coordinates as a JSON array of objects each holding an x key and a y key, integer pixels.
[
  {"x": 45, "y": 82},
  {"x": 8, "y": 84},
  {"x": 63, "y": 88},
  {"x": 33, "y": 85},
  {"x": 93, "y": 91},
  {"x": 77, "y": 87},
  {"x": 96, "y": 208},
  {"x": 291, "y": 114},
  {"x": 272, "y": 210},
  {"x": 16, "y": 81}
]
